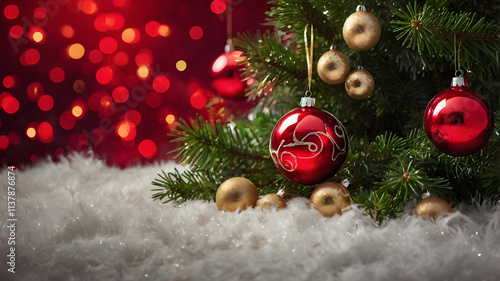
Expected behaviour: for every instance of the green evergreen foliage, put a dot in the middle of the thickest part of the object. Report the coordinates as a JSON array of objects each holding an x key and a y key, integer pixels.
[
  {"x": 390, "y": 162},
  {"x": 438, "y": 31}
]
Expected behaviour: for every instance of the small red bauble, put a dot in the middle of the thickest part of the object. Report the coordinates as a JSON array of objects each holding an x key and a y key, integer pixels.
[
  {"x": 226, "y": 76},
  {"x": 308, "y": 145},
  {"x": 458, "y": 121}
]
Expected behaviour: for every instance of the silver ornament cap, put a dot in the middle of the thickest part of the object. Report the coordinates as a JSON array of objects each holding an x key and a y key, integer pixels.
[
  {"x": 458, "y": 81},
  {"x": 307, "y": 102}
]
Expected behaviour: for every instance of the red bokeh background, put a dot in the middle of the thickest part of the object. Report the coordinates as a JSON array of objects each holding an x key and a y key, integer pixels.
[{"x": 110, "y": 78}]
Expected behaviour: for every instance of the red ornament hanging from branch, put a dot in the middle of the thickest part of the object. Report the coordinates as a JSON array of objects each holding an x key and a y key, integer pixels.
[
  {"x": 458, "y": 121},
  {"x": 308, "y": 145},
  {"x": 226, "y": 76},
  {"x": 227, "y": 69}
]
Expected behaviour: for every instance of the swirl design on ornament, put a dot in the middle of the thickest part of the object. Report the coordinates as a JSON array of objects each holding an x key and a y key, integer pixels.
[{"x": 291, "y": 163}]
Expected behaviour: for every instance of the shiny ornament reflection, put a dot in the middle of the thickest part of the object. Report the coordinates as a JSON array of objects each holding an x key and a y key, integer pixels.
[
  {"x": 458, "y": 121},
  {"x": 308, "y": 145},
  {"x": 226, "y": 73}
]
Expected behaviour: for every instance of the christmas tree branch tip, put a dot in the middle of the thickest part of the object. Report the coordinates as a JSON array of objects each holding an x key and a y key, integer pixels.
[
  {"x": 203, "y": 141},
  {"x": 440, "y": 31}
]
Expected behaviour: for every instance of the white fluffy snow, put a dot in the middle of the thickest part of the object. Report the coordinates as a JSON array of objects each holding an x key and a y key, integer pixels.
[{"x": 82, "y": 220}]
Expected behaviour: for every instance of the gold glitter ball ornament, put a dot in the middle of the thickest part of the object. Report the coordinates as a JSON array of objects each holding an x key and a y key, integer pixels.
[
  {"x": 361, "y": 30},
  {"x": 333, "y": 67},
  {"x": 432, "y": 207},
  {"x": 359, "y": 84},
  {"x": 271, "y": 201},
  {"x": 236, "y": 193},
  {"x": 329, "y": 198}
]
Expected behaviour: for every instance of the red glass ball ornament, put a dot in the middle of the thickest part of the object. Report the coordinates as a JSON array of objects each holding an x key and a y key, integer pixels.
[
  {"x": 458, "y": 121},
  {"x": 308, "y": 145},
  {"x": 226, "y": 76}
]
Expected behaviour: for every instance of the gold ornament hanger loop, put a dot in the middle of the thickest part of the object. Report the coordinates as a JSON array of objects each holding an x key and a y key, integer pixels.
[
  {"x": 309, "y": 58},
  {"x": 457, "y": 54}
]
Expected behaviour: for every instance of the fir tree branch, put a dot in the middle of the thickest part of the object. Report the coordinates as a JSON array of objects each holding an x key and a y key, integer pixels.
[
  {"x": 189, "y": 185},
  {"x": 216, "y": 153},
  {"x": 439, "y": 31},
  {"x": 295, "y": 15},
  {"x": 204, "y": 142},
  {"x": 270, "y": 63}
]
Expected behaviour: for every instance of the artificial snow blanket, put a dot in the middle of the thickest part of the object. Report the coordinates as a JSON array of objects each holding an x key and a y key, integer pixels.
[{"x": 79, "y": 219}]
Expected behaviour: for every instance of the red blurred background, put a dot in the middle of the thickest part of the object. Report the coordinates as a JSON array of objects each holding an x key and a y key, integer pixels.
[{"x": 111, "y": 77}]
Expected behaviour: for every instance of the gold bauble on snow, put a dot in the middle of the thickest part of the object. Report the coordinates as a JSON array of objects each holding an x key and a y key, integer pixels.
[
  {"x": 432, "y": 207},
  {"x": 271, "y": 201},
  {"x": 329, "y": 198},
  {"x": 361, "y": 29},
  {"x": 236, "y": 193},
  {"x": 333, "y": 67},
  {"x": 359, "y": 84}
]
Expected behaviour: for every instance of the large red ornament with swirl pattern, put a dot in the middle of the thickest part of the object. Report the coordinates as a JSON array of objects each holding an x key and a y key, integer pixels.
[
  {"x": 308, "y": 145},
  {"x": 458, "y": 121}
]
